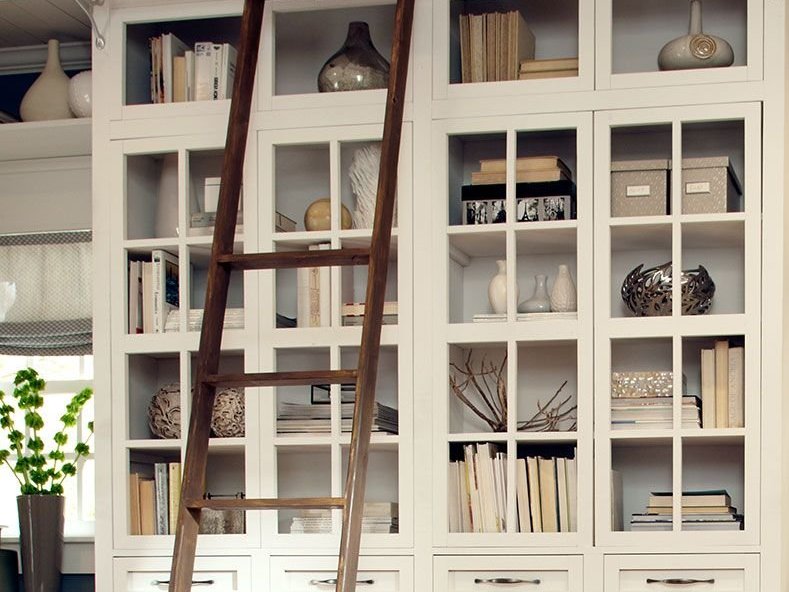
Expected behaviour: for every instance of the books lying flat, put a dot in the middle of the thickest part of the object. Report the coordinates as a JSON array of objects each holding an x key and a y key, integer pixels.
[
  {"x": 525, "y": 316},
  {"x": 712, "y": 497},
  {"x": 357, "y": 308},
  {"x": 549, "y": 65},
  {"x": 647, "y": 424},
  {"x": 379, "y": 517},
  {"x": 358, "y": 320},
  {"x": 548, "y": 74},
  {"x": 234, "y": 319},
  {"x": 524, "y": 163},
  {"x": 538, "y": 176},
  {"x": 297, "y": 418}
]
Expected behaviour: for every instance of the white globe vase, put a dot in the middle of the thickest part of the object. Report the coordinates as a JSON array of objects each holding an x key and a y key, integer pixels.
[
  {"x": 80, "y": 94},
  {"x": 47, "y": 98}
]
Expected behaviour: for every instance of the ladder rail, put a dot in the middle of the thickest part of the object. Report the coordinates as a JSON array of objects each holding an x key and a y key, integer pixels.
[
  {"x": 193, "y": 484},
  {"x": 369, "y": 351}
]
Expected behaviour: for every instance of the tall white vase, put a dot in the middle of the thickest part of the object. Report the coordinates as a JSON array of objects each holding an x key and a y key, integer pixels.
[
  {"x": 497, "y": 289},
  {"x": 563, "y": 295},
  {"x": 47, "y": 98}
]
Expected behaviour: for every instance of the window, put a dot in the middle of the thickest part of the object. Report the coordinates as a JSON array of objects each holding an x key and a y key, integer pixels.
[{"x": 64, "y": 375}]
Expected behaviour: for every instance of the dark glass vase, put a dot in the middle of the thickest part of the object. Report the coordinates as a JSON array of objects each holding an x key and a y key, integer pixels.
[
  {"x": 41, "y": 541},
  {"x": 356, "y": 66}
]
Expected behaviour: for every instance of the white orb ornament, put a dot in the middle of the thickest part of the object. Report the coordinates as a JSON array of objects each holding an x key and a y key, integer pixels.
[{"x": 80, "y": 94}]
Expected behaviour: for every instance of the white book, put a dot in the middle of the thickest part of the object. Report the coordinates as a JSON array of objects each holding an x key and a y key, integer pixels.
[
  {"x": 171, "y": 48},
  {"x": 500, "y": 465},
  {"x": 522, "y": 496},
  {"x": 487, "y": 500},
  {"x": 721, "y": 383},
  {"x": 147, "y": 297},
  {"x": 189, "y": 93},
  {"x": 472, "y": 473},
  {"x": 572, "y": 493},
  {"x": 160, "y": 477},
  {"x": 135, "y": 297},
  {"x": 227, "y": 71},
  {"x": 561, "y": 494},
  {"x": 452, "y": 498},
  {"x": 205, "y": 53},
  {"x": 708, "y": 388},
  {"x": 535, "y": 508},
  {"x": 465, "y": 499},
  {"x": 165, "y": 285},
  {"x": 736, "y": 387},
  {"x": 548, "y": 501}
]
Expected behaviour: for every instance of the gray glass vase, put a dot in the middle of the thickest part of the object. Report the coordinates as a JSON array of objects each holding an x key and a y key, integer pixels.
[
  {"x": 41, "y": 540},
  {"x": 356, "y": 66}
]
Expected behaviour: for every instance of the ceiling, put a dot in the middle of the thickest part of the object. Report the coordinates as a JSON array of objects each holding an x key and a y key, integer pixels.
[{"x": 33, "y": 22}]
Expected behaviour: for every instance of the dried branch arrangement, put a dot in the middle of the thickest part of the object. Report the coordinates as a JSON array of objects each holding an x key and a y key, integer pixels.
[
  {"x": 483, "y": 389},
  {"x": 549, "y": 419}
]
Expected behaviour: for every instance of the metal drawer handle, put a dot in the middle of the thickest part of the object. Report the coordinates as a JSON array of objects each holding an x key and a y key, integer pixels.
[
  {"x": 680, "y": 581},
  {"x": 535, "y": 581},
  {"x": 333, "y": 582},
  {"x": 194, "y": 582}
]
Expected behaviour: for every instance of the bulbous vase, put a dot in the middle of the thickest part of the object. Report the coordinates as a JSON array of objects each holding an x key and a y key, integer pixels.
[
  {"x": 356, "y": 66},
  {"x": 47, "y": 98},
  {"x": 696, "y": 49}
]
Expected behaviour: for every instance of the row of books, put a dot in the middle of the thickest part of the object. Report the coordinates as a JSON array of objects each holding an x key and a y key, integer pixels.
[
  {"x": 309, "y": 418},
  {"x": 723, "y": 385},
  {"x": 378, "y": 517},
  {"x": 493, "y": 44},
  {"x": 153, "y": 292},
  {"x": 701, "y": 510},
  {"x": 550, "y": 68},
  {"x": 153, "y": 500},
  {"x": 651, "y": 413},
  {"x": 528, "y": 169},
  {"x": 180, "y": 73},
  {"x": 234, "y": 319},
  {"x": 546, "y": 492}
]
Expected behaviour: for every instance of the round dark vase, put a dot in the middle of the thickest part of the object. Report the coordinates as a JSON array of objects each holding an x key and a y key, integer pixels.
[
  {"x": 356, "y": 66},
  {"x": 41, "y": 541}
]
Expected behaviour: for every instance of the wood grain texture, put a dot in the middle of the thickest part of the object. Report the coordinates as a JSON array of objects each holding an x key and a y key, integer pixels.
[
  {"x": 356, "y": 478},
  {"x": 193, "y": 483},
  {"x": 294, "y": 259}
]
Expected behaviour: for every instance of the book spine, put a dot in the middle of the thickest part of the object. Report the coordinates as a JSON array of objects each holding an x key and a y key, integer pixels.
[
  {"x": 189, "y": 93},
  {"x": 548, "y": 497},
  {"x": 216, "y": 71},
  {"x": 203, "y": 70},
  {"x": 174, "y": 494},
  {"x": 708, "y": 410},
  {"x": 162, "y": 498},
  {"x": 135, "y": 527},
  {"x": 164, "y": 286},
  {"x": 147, "y": 507},
  {"x": 147, "y": 297},
  {"x": 522, "y": 496},
  {"x": 561, "y": 493},
  {"x": 736, "y": 384},
  {"x": 534, "y": 493},
  {"x": 572, "y": 493},
  {"x": 721, "y": 384},
  {"x": 453, "y": 501}
]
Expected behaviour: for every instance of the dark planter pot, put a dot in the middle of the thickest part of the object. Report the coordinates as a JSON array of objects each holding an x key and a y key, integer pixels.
[{"x": 41, "y": 541}]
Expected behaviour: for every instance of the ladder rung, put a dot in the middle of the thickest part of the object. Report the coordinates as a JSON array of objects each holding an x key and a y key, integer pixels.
[
  {"x": 304, "y": 503},
  {"x": 290, "y": 259},
  {"x": 296, "y": 378}
]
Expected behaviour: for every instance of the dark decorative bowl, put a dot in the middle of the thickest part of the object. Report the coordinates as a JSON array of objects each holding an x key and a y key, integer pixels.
[{"x": 647, "y": 292}]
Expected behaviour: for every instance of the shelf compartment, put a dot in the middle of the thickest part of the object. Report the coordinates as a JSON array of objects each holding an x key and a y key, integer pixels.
[
  {"x": 493, "y": 387},
  {"x": 464, "y": 155},
  {"x": 383, "y": 486},
  {"x": 225, "y": 478},
  {"x": 141, "y": 472},
  {"x": 472, "y": 265},
  {"x": 137, "y": 59},
  {"x": 296, "y": 64},
  {"x": 542, "y": 368},
  {"x": 387, "y": 386},
  {"x": 359, "y": 165},
  {"x": 152, "y": 186},
  {"x": 555, "y": 26},
  {"x": 302, "y": 175},
  {"x": 302, "y": 473},
  {"x": 194, "y": 271},
  {"x": 230, "y": 362},
  {"x": 639, "y": 468},
  {"x": 147, "y": 373},
  {"x": 204, "y": 169},
  {"x": 557, "y": 482},
  {"x": 531, "y": 264},
  {"x": 293, "y": 359}
]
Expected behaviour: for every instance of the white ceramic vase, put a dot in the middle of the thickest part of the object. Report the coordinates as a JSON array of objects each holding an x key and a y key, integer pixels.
[
  {"x": 497, "y": 289},
  {"x": 696, "y": 49},
  {"x": 47, "y": 98},
  {"x": 563, "y": 295},
  {"x": 80, "y": 94},
  {"x": 539, "y": 302}
]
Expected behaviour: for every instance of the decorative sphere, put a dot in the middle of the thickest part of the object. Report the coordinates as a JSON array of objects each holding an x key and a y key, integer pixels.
[
  {"x": 227, "y": 418},
  {"x": 80, "y": 92},
  {"x": 318, "y": 215},
  {"x": 164, "y": 412}
]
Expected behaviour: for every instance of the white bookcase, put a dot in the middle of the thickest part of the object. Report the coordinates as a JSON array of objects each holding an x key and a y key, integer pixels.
[{"x": 301, "y": 142}]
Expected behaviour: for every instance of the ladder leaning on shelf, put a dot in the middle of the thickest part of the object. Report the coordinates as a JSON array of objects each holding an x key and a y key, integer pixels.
[{"x": 223, "y": 261}]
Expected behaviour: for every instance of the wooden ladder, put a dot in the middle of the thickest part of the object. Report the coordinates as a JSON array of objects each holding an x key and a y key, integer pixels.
[{"x": 224, "y": 261}]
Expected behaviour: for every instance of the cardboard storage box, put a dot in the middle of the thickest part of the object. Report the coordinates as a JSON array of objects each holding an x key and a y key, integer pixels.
[
  {"x": 640, "y": 188},
  {"x": 710, "y": 186}
]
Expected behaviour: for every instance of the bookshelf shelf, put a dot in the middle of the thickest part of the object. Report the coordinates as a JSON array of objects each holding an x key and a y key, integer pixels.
[{"x": 45, "y": 139}]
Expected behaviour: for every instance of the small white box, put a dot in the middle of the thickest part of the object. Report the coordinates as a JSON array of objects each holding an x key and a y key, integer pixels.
[{"x": 211, "y": 193}]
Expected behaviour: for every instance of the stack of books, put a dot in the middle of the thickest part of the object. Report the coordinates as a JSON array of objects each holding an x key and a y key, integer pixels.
[
  {"x": 378, "y": 517},
  {"x": 723, "y": 385},
  {"x": 528, "y": 169},
  {"x": 653, "y": 413},
  {"x": 493, "y": 44},
  {"x": 298, "y": 418},
  {"x": 180, "y": 73},
  {"x": 153, "y": 292},
  {"x": 153, "y": 499},
  {"x": 353, "y": 313},
  {"x": 234, "y": 319},
  {"x": 701, "y": 510},
  {"x": 554, "y": 68},
  {"x": 546, "y": 492}
]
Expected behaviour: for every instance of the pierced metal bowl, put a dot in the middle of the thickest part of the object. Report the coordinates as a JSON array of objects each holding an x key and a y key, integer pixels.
[{"x": 647, "y": 292}]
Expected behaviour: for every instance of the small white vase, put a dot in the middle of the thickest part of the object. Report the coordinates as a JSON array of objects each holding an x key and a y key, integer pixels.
[
  {"x": 497, "y": 289},
  {"x": 539, "y": 302},
  {"x": 80, "y": 94},
  {"x": 563, "y": 295},
  {"x": 47, "y": 98},
  {"x": 696, "y": 49}
]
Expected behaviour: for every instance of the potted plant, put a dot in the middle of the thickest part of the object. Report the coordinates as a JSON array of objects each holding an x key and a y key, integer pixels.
[{"x": 40, "y": 469}]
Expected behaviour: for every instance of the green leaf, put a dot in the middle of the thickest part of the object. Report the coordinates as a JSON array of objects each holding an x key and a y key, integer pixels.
[
  {"x": 90, "y": 426},
  {"x": 82, "y": 449},
  {"x": 4, "y": 454},
  {"x": 60, "y": 438},
  {"x": 57, "y": 489},
  {"x": 69, "y": 469}
]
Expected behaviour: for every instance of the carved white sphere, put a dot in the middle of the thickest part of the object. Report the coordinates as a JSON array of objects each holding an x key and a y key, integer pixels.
[{"x": 80, "y": 94}]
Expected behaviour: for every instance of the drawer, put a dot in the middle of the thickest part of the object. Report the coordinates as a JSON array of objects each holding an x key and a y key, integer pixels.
[
  {"x": 318, "y": 574},
  {"x": 489, "y": 573},
  {"x": 705, "y": 573},
  {"x": 152, "y": 574}
]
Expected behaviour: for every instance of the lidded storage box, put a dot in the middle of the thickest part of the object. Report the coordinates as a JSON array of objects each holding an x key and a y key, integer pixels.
[
  {"x": 640, "y": 188},
  {"x": 710, "y": 186}
]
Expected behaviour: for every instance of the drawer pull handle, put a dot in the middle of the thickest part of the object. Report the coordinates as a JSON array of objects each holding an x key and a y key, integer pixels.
[
  {"x": 333, "y": 582},
  {"x": 194, "y": 582},
  {"x": 510, "y": 581},
  {"x": 680, "y": 581}
]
